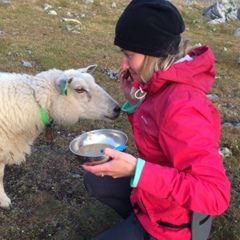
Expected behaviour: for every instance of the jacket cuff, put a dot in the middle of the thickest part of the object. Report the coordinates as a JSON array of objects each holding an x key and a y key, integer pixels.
[
  {"x": 130, "y": 109},
  {"x": 138, "y": 172}
]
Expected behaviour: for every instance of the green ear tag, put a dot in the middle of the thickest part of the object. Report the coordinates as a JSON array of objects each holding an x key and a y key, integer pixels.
[{"x": 62, "y": 90}]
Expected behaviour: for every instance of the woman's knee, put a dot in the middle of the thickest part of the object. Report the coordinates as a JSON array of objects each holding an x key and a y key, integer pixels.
[
  {"x": 89, "y": 180},
  {"x": 102, "y": 187},
  {"x": 96, "y": 186}
]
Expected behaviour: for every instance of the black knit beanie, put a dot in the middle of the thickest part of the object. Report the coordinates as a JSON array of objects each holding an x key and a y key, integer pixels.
[{"x": 150, "y": 27}]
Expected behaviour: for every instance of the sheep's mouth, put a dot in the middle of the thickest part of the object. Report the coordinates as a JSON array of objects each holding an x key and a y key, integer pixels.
[{"x": 111, "y": 118}]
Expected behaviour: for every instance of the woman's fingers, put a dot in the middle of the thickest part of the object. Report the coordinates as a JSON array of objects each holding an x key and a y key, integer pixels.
[{"x": 121, "y": 165}]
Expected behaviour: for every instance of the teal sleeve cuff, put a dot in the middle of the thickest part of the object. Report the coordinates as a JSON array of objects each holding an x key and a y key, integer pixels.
[
  {"x": 138, "y": 172},
  {"x": 130, "y": 109}
]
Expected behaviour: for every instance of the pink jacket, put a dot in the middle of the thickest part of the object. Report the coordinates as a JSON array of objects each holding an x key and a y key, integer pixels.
[{"x": 177, "y": 130}]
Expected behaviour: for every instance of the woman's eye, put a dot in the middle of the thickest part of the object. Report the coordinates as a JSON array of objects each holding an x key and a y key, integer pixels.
[
  {"x": 129, "y": 56},
  {"x": 80, "y": 90}
]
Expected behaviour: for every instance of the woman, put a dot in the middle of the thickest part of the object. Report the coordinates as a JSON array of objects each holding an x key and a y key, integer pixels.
[{"x": 176, "y": 129}]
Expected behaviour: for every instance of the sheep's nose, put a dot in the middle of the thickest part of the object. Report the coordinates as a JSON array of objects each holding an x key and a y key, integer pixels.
[{"x": 117, "y": 109}]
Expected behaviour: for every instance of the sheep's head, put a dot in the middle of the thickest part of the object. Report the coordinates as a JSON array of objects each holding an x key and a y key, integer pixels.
[{"x": 81, "y": 98}]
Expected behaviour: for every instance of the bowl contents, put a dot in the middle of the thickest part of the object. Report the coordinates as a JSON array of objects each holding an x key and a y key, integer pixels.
[
  {"x": 87, "y": 146},
  {"x": 93, "y": 149}
]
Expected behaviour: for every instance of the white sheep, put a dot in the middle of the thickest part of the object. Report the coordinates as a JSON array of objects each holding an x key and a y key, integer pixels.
[{"x": 29, "y": 103}]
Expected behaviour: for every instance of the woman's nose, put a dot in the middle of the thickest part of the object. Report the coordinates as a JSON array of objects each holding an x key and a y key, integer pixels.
[{"x": 125, "y": 64}]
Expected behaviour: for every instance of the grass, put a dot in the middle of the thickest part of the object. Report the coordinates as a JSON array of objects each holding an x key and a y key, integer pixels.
[{"x": 47, "y": 192}]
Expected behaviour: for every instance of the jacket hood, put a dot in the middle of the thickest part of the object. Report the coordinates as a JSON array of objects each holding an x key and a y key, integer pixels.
[{"x": 198, "y": 72}]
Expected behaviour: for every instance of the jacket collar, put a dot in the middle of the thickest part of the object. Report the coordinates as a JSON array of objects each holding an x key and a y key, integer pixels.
[{"x": 195, "y": 69}]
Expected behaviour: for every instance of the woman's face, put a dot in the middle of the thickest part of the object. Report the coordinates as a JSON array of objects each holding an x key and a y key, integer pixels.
[{"x": 133, "y": 62}]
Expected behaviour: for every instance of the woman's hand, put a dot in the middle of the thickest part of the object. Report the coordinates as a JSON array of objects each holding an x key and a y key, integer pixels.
[
  {"x": 125, "y": 79},
  {"x": 121, "y": 165}
]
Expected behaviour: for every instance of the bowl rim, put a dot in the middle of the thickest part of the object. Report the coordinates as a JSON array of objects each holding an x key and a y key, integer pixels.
[{"x": 94, "y": 131}]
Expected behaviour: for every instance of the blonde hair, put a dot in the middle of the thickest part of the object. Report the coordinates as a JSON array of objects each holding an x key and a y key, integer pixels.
[{"x": 153, "y": 64}]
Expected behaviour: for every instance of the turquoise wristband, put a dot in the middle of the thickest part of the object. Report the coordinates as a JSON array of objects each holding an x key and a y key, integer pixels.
[
  {"x": 130, "y": 109},
  {"x": 138, "y": 172}
]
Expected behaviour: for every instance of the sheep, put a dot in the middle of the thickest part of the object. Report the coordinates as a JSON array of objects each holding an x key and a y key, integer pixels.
[{"x": 30, "y": 103}]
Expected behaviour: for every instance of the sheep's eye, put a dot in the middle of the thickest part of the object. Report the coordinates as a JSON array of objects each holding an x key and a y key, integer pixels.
[{"x": 80, "y": 90}]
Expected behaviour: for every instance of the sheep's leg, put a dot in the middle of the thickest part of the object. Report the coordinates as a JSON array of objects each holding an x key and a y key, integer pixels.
[{"x": 5, "y": 201}]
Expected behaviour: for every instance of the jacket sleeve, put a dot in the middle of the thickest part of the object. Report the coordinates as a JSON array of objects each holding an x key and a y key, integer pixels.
[{"x": 196, "y": 180}]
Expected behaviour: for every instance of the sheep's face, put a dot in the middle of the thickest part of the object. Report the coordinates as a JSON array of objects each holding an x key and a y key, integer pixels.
[{"x": 79, "y": 97}]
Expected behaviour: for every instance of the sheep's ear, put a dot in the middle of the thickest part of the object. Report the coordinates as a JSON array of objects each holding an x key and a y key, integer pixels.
[
  {"x": 62, "y": 84},
  {"x": 90, "y": 69}
]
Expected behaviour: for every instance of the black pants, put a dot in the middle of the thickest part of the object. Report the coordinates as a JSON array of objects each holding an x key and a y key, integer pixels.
[{"x": 115, "y": 193}]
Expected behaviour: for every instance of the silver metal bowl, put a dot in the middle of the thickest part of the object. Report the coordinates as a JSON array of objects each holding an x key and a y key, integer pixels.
[{"x": 111, "y": 137}]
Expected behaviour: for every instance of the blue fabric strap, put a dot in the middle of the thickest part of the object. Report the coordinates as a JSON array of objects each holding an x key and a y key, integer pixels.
[
  {"x": 138, "y": 172},
  {"x": 130, "y": 109}
]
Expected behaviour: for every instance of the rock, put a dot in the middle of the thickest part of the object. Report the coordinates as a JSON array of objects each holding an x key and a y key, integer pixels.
[
  {"x": 70, "y": 20},
  {"x": 217, "y": 21},
  {"x": 228, "y": 124},
  {"x": 221, "y": 11},
  {"x": 52, "y": 12},
  {"x": 47, "y": 6},
  {"x": 26, "y": 64},
  {"x": 88, "y": 1},
  {"x": 75, "y": 175},
  {"x": 110, "y": 73},
  {"x": 238, "y": 59},
  {"x": 237, "y": 32},
  {"x": 225, "y": 152},
  {"x": 212, "y": 96}
]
